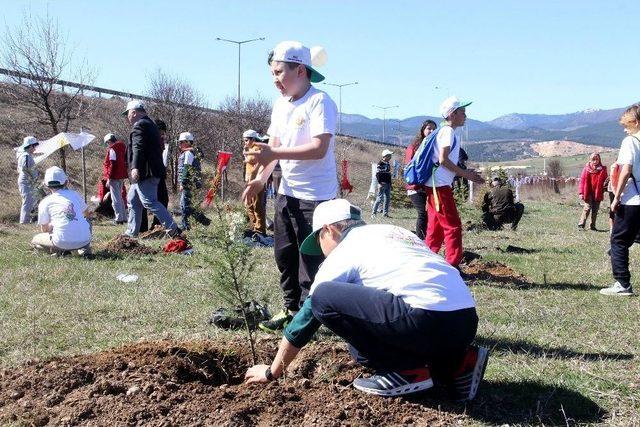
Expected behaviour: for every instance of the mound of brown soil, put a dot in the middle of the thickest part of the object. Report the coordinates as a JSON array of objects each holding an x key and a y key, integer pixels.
[
  {"x": 157, "y": 232},
  {"x": 126, "y": 245},
  {"x": 494, "y": 272},
  {"x": 200, "y": 383}
]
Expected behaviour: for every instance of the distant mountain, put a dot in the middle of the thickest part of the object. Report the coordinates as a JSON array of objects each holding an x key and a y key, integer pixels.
[
  {"x": 592, "y": 127},
  {"x": 556, "y": 122}
]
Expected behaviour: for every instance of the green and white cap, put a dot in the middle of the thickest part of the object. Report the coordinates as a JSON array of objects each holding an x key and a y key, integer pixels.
[
  {"x": 450, "y": 105},
  {"x": 326, "y": 213},
  {"x": 292, "y": 51}
]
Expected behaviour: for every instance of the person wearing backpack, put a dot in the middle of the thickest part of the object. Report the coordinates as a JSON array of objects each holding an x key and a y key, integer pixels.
[
  {"x": 190, "y": 178},
  {"x": 416, "y": 192},
  {"x": 443, "y": 221},
  {"x": 626, "y": 204}
]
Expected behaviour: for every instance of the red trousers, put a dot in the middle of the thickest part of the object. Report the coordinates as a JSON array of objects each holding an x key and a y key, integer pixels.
[{"x": 444, "y": 225}]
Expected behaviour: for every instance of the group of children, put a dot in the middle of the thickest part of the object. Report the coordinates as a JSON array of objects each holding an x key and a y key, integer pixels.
[{"x": 404, "y": 310}]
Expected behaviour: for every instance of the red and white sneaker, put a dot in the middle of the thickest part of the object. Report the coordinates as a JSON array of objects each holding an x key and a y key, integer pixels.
[{"x": 468, "y": 378}]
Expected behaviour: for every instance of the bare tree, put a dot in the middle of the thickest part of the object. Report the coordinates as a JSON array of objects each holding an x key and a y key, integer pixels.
[
  {"x": 37, "y": 54},
  {"x": 555, "y": 171},
  {"x": 180, "y": 106}
]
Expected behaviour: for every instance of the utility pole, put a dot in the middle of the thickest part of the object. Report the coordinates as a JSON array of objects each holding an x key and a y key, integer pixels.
[
  {"x": 239, "y": 43},
  {"x": 340, "y": 86},
  {"x": 384, "y": 119}
]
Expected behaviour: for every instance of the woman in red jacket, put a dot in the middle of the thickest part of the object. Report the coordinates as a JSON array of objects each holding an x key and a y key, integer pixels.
[
  {"x": 417, "y": 193},
  {"x": 592, "y": 184}
]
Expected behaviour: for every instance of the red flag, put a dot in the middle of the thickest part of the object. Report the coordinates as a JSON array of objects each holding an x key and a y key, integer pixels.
[
  {"x": 344, "y": 182},
  {"x": 223, "y": 161}
]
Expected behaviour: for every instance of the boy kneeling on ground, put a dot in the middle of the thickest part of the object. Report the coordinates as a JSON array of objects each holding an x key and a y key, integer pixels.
[
  {"x": 402, "y": 309},
  {"x": 61, "y": 216}
]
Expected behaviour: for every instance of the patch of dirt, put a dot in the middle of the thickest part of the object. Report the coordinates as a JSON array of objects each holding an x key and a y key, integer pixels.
[
  {"x": 565, "y": 148},
  {"x": 123, "y": 245},
  {"x": 495, "y": 272},
  {"x": 157, "y": 232},
  {"x": 200, "y": 383}
]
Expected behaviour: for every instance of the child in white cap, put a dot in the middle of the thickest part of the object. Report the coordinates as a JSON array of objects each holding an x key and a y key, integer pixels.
[
  {"x": 402, "y": 309},
  {"x": 27, "y": 177},
  {"x": 443, "y": 220},
  {"x": 303, "y": 124},
  {"x": 61, "y": 216},
  {"x": 256, "y": 210},
  {"x": 383, "y": 176},
  {"x": 190, "y": 178}
]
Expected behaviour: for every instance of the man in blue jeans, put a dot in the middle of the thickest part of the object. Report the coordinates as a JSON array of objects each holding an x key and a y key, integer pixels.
[
  {"x": 146, "y": 169},
  {"x": 403, "y": 310}
]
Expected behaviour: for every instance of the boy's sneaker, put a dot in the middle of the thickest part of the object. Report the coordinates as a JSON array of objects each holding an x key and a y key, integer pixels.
[
  {"x": 396, "y": 383},
  {"x": 277, "y": 322},
  {"x": 617, "y": 289},
  {"x": 469, "y": 376}
]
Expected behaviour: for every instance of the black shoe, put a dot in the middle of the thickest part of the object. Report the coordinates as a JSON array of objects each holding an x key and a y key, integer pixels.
[
  {"x": 396, "y": 383},
  {"x": 592, "y": 228},
  {"x": 580, "y": 226}
]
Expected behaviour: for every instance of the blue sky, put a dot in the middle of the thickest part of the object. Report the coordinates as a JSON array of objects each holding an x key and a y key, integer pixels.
[{"x": 543, "y": 56}]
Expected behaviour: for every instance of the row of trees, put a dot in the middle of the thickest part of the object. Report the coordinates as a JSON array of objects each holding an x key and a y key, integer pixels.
[{"x": 37, "y": 48}]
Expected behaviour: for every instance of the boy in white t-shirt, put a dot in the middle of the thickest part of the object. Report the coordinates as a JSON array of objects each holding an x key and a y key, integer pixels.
[
  {"x": 443, "y": 220},
  {"x": 626, "y": 204},
  {"x": 302, "y": 139},
  {"x": 404, "y": 311},
  {"x": 61, "y": 216}
]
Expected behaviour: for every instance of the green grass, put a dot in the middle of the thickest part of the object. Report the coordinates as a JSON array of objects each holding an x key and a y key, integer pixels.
[{"x": 557, "y": 345}]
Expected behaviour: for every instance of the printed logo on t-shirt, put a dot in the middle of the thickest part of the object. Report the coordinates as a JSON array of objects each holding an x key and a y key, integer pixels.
[
  {"x": 299, "y": 121},
  {"x": 69, "y": 212},
  {"x": 407, "y": 240}
]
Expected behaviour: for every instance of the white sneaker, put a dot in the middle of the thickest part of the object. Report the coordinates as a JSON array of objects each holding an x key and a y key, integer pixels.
[{"x": 617, "y": 289}]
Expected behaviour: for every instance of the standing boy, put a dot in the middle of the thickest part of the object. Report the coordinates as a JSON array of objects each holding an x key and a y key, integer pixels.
[
  {"x": 302, "y": 138},
  {"x": 383, "y": 176},
  {"x": 190, "y": 178},
  {"x": 443, "y": 220},
  {"x": 114, "y": 171},
  {"x": 27, "y": 177},
  {"x": 256, "y": 210}
]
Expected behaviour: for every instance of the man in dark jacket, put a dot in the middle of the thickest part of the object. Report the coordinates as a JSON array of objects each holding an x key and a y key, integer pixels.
[
  {"x": 499, "y": 207},
  {"x": 146, "y": 169}
]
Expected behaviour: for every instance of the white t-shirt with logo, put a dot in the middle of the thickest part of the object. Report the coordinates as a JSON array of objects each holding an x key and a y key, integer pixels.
[
  {"x": 64, "y": 210},
  {"x": 445, "y": 138},
  {"x": 295, "y": 123},
  {"x": 393, "y": 259},
  {"x": 630, "y": 155}
]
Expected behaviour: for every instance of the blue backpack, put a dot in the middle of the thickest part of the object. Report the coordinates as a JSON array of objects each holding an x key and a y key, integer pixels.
[{"x": 421, "y": 167}]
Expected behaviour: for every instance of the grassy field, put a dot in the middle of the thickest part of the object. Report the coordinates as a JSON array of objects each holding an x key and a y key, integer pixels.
[
  {"x": 572, "y": 165},
  {"x": 561, "y": 351}
]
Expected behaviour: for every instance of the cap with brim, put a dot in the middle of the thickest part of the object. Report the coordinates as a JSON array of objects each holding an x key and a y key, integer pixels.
[
  {"x": 28, "y": 141},
  {"x": 327, "y": 213},
  {"x": 133, "y": 105},
  {"x": 292, "y": 51}
]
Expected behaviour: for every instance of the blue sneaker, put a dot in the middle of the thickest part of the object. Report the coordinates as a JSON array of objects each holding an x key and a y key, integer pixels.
[{"x": 396, "y": 383}]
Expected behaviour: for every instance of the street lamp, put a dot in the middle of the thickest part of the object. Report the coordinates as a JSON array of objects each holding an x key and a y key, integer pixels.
[
  {"x": 239, "y": 43},
  {"x": 340, "y": 86},
  {"x": 384, "y": 118}
]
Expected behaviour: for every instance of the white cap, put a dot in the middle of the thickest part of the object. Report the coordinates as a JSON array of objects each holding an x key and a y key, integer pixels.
[
  {"x": 251, "y": 134},
  {"x": 185, "y": 136},
  {"x": 109, "y": 137},
  {"x": 387, "y": 153},
  {"x": 28, "y": 141},
  {"x": 450, "y": 105},
  {"x": 134, "y": 104},
  {"x": 292, "y": 51},
  {"x": 326, "y": 213},
  {"x": 54, "y": 176}
]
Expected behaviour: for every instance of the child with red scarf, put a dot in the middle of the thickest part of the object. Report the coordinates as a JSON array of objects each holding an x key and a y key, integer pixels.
[{"x": 592, "y": 185}]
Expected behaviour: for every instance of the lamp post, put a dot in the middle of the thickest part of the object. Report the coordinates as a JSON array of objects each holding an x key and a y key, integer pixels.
[
  {"x": 340, "y": 86},
  {"x": 384, "y": 118},
  {"x": 239, "y": 43}
]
